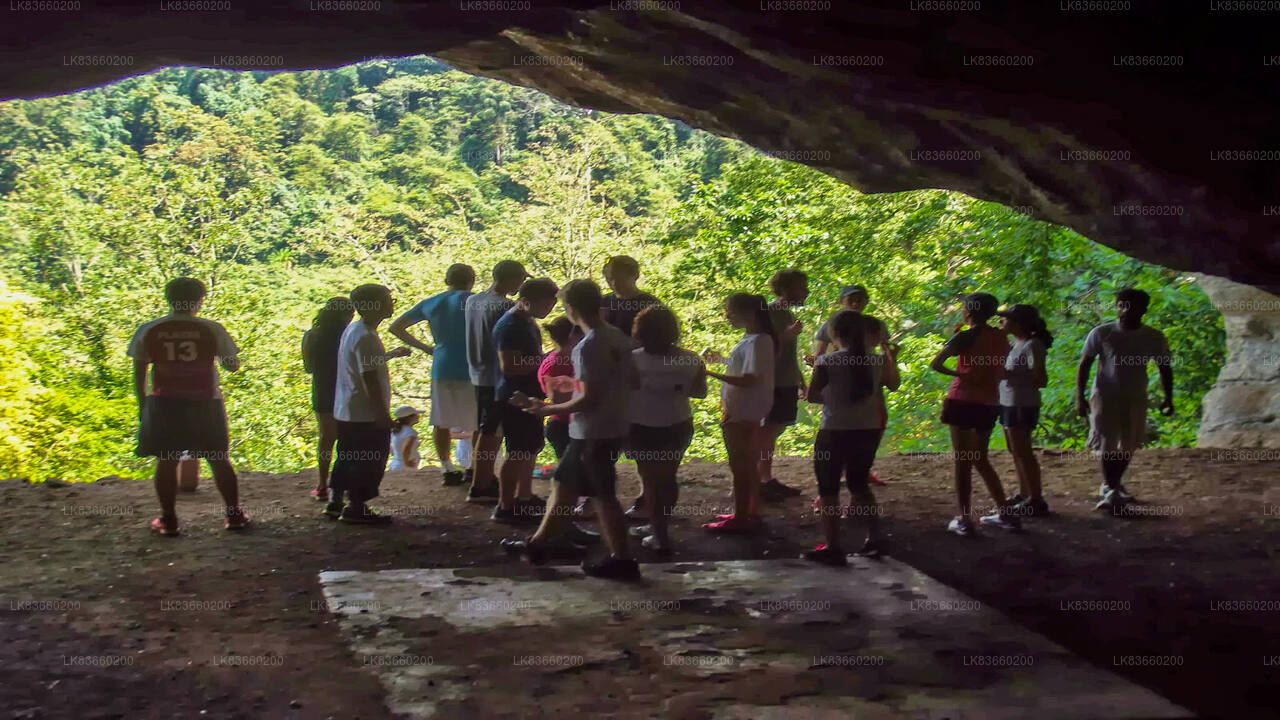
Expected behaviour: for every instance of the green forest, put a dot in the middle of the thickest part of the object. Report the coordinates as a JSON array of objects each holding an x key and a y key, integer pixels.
[{"x": 280, "y": 190}]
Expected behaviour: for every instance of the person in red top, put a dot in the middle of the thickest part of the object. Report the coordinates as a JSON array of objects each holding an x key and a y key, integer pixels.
[
  {"x": 181, "y": 410},
  {"x": 555, "y": 375},
  {"x": 972, "y": 406}
]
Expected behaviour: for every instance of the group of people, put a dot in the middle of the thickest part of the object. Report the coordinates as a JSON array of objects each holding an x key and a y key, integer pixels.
[{"x": 616, "y": 381}]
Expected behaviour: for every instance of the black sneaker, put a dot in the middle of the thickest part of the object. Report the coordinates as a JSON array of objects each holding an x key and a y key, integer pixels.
[
  {"x": 613, "y": 568},
  {"x": 826, "y": 555},
  {"x": 454, "y": 478},
  {"x": 1031, "y": 508},
  {"x": 870, "y": 549},
  {"x": 506, "y": 516},
  {"x": 363, "y": 515},
  {"x": 483, "y": 494},
  {"x": 1016, "y": 499},
  {"x": 578, "y": 536},
  {"x": 332, "y": 509},
  {"x": 774, "y": 486},
  {"x": 532, "y": 505}
]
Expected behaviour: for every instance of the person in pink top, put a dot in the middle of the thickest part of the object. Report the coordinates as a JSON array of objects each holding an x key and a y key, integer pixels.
[
  {"x": 972, "y": 407},
  {"x": 555, "y": 375}
]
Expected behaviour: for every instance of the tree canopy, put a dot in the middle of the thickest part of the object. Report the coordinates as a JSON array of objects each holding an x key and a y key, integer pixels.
[{"x": 280, "y": 190}]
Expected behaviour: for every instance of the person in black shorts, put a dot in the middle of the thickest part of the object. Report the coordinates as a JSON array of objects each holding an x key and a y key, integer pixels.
[
  {"x": 480, "y": 313},
  {"x": 518, "y": 341},
  {"x": 180, "y": 411},
  {"x": 972, "y": 406},
  {"x": 598, "y": 427},
  {"x": 790, "y": 289},
  {"x": 320, "y": 360}
]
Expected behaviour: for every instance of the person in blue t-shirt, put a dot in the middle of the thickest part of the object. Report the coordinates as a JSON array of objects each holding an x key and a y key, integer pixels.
[{"x": 453, "y": 402}]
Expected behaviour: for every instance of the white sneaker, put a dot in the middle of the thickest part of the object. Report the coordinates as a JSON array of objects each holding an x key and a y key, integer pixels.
[
  {"x": 651, "y": 542},
  {"x": 961, "y": 526},
  {"x": 641, "y": 531},
  {"x": 1111, "y": 501},
  {"x": 1124, "y": 492}
]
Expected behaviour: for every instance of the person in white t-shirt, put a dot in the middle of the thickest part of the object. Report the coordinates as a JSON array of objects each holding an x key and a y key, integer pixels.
[
  {"x": 849, "y": 383},
  {"x": 1024, "y": 375},
  {"x": 661, "y": 416},
  {"x": 404, "y": 440},
  {"x": 598, "y": 428},
  {"x": 362, "y": 408},
  {"x": 1117, "y": 407},
  {"x": 745, "y": 399}
]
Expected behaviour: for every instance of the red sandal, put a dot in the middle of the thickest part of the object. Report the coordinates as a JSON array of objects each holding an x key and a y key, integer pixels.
[
  {"x": 160, "y": 527},
  {"x": 236, "y": 519}
]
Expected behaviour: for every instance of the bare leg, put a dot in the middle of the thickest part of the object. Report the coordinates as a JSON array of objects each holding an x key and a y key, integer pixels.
[
  {"x": 166, "y": 481},
  {"x": 442, "y": 439},
  {"x": 559, "y": 506},
  {"x": 768, "y": 443},
  {"x": 960, "y": 445},
  {"x": 483, "y": 459},
  {"x": 988, "y": 475},
  {"x": 613, "y": 526},
  {"x": 517, "y": 470},
  {"x": 740, "y": 443},
  {"x": 324, "y": 450},
  {"x": 224, "y": 476},
  {"x": 659, "y": 480},
  {"x": 1024, "y": 456}
]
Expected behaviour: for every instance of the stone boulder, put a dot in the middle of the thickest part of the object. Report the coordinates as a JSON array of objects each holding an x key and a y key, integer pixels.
[{"x": 1243, "y": 408}]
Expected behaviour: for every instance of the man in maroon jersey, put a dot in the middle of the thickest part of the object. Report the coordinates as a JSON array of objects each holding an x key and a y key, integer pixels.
[{"x": 181, "y": 411}]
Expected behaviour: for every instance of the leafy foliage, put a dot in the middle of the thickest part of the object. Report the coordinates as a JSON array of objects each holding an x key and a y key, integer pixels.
[{"x": 280, "y": 190}]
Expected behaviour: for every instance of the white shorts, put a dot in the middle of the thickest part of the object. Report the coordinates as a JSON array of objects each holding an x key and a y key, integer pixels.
[
  {"x": 453, "y": 404},
  {"x": 1117, "y": 423}
]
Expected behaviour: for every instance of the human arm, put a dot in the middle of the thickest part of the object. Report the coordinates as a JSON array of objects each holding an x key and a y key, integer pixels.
[
  {"x": 400, "y": 329},
  {"x": 890, "y": 376},
  {"x": 307, "y": 341},
  {"x": 817, "y": 384},
  {"x": 228, "y": 353},
  {"x": 140, "y": 380},
  {"x": 1164, "y": 363}
]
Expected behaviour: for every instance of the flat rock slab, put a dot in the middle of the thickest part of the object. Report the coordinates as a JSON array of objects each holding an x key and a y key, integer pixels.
[{"x": 759, "y": 639}]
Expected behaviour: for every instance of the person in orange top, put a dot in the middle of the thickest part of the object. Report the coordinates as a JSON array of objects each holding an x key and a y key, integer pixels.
[
  {"x": 972, "y": 406},
  {"x": 181, "y": 410}
]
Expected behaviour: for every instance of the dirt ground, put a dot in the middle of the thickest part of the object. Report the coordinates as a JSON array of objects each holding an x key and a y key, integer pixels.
[{"x": 103, "y": 620}]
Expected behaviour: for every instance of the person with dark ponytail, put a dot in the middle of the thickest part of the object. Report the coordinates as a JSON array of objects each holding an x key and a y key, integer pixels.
[
  {"x": 320, "y": 360},
  {"x": 849, "y": 384},
  {"x": 1024, "y": 375},
  {"x": 972, "y": 406},
  {"x": 745, "y": 398}
]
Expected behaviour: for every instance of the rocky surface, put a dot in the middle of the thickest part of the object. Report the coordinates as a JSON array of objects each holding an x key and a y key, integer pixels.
[
  {"x": 1149, "y": 130},
  {"x": 1243, "y": 408}
]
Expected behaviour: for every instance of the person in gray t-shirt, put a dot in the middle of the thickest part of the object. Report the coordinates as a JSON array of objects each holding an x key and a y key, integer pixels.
[
  {"x": 598, "y": 426},
  {"x": 480, "y": 314}
]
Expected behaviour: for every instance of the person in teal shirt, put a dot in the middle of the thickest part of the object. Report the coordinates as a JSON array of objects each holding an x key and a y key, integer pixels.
[{"x": 453, "y": 402}]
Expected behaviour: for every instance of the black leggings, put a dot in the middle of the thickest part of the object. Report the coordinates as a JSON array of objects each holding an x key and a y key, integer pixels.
[{"x": 844, "y": 452}]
